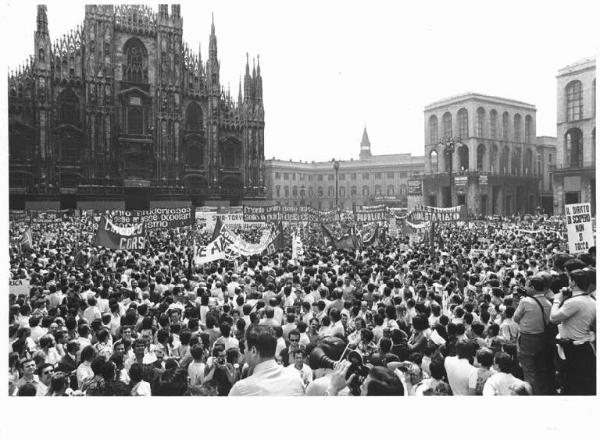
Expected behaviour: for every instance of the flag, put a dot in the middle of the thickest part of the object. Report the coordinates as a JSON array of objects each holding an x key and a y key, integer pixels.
[
  {"x": 218, "y": 227},
  {"x": 26, "y": 241},
  {"x": 370, "y": 240},
  {"x": 277, "y": 244},
  {"x": 115, "y": 237}
]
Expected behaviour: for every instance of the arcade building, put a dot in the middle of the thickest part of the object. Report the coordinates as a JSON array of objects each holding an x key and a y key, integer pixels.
[{"x": 482, "y": 152}]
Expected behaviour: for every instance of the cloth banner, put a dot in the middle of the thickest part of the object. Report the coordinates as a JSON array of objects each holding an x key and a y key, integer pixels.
[
  {"x": 368, "y": 214},
  {"x": 297, "y": 247},
  {"x": 157, "y": 218},
  {"x": 441, "y": 214},
  {"x": 116, "y": 237},
  {"x": 19, "y": 286}
]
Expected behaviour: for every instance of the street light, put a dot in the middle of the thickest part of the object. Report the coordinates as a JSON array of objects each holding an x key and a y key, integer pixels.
[
  {"x": 449, "y": 145},
  {"x": 336, "y": 167}
]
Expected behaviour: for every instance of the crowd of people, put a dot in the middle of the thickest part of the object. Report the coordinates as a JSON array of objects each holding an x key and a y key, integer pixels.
[{"x": 511, "y": 314}]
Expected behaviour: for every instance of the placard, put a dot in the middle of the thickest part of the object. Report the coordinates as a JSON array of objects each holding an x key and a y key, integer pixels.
[{"x": 580, "y": 234}]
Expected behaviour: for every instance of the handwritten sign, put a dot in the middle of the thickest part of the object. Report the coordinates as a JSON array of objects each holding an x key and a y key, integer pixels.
[{"x": 580, "y": 234}]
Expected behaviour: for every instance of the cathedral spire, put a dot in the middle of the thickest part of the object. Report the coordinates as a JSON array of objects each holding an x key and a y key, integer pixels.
[
  {"x": 258, "y": 65},
  {"x": 240, "y": 93},
  {"x": 42, "y": 19},
  {"x": 212, "y": 46}
]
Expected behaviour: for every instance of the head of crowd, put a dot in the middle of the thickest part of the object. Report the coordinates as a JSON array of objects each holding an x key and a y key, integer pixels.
[{"x": 451, "y": 314}]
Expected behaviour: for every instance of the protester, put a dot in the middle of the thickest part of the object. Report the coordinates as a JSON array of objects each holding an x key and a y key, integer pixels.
[{"x": 388, "y": 318}]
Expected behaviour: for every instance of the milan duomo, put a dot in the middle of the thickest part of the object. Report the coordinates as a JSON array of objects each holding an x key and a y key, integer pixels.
[{"x": 122, "y": 109}]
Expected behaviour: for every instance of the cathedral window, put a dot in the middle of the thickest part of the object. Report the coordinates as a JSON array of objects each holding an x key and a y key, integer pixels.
[
  {"x": 135, "y": 61},
  {"x": 68, "y": 107},
  {"x": 135, "y": 120}
]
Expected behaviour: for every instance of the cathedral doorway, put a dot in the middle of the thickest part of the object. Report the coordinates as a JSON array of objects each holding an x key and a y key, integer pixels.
[{"x": 137, "y": 199}]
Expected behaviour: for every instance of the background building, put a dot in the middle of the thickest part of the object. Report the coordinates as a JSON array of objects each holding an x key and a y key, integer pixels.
[
  {"x": 492, "y": 170},
  {"x": 371, "y": 180},
  {"x": 122, "y": 113},
  {"x": 546, "y": 162},
  {"x": 575, "y": 172}
]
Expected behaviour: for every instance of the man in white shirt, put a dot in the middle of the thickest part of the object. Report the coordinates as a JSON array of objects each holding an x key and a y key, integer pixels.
[
  {"x": 459, "y": 369},
  {"x": 576, "y": 319},
  {"x": 503, "y": 382},
  {"x": 266, "y": 376}
]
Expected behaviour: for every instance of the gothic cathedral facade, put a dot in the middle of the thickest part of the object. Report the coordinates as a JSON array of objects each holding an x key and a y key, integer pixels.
[{"x": 120, "y": 112}]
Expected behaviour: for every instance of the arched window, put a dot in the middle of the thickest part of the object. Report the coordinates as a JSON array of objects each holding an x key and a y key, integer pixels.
[
  {"x": 448, "y": 158},
  {"x": 135, "y": 120},
  {"x": 504, "y": 160},
  {"x": 195, "y": 154},
  {"x": 517, "y": 127},
  {"x": 231, "y": 153},
  {"x": 377, "y": 190},
  {"x": 594, "y": 146},
  {"x": 574, "y": 101},
  {"x": 505, "y": 125},
  {"x": 342, "y": 191},
  {"x": 528, "y": 129},
  {"x": 286, "y": 191},
  {"x": 136, "y": 60},
  {"x": 574, "y": 148},
  {"x": 447, "y": 121},
  {"x": 295, "y": 191},
  {"x": 68, "y": 107},
  {"x": 528, "y": 162},
  {"x": 433, "y": 161},
  {"x": 310, "y": 191},
  {"x": 193, "y": 117},
  {"x": 480, "y": 156},
  {"x": 41, "y": 55},
  {"x": 493, "y": 124},
  {"x": 515, "y": 167},
  {"x": 480, "y": 121},
  {"x": 433, "y": 130},
  {"x": 463, "y": 123},
  {"x": 390, "y": 190},
  {"x": 463, "y": 157},
  {"x": 494, "y": 159},
  {"x": 319, "y": 191},
  {"x": 331, "y": 191},
  {"x": 365, "y": 191},
  {"x": 353, "y": 191}
]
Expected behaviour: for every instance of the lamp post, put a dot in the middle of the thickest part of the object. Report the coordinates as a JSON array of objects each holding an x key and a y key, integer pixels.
[
  {"x": 449, "y": 145},
  {"x": 336, "y": 167}
]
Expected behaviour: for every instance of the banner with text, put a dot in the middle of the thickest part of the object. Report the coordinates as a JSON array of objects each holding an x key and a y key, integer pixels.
[
  {"x": 441, "y": 214},
  {"x": 580, "y": 234},
  {"x": 157, "y": 218},
  {"x": 116, "y": 237}
]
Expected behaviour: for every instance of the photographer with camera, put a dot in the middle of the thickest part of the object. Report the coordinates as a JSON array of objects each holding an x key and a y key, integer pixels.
[
  {"x": 220, "y": 371},
  {"x": 574, "y": 310}
]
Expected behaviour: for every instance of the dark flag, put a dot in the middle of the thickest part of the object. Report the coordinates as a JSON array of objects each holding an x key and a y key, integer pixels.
[{"x": 218, "y": 227}]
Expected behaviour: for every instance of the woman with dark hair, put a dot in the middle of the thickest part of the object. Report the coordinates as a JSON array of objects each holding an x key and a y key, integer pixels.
[
  {"x": 418, "y": 340},
  {"x": 95, "y": 386},
  {"x": 313, "y": 330},
  {"x": 59, "y": 383}
]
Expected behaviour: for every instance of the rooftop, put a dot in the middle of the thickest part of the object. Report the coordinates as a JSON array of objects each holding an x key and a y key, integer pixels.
[
  {"x": 582, "y": 64},
  {"x": 470, "y": 95}
]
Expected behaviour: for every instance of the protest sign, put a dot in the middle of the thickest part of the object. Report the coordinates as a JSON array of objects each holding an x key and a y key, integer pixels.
[
  {"x": 19, "y": 286},
  {"x": 580, "y": 234}
]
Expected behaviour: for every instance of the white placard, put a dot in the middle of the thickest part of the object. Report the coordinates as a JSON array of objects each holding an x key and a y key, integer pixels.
[{"x": 578, "y": 218}]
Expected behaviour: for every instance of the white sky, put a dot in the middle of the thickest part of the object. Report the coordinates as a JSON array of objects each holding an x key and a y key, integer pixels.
[{"x": 330, "y": 67}]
